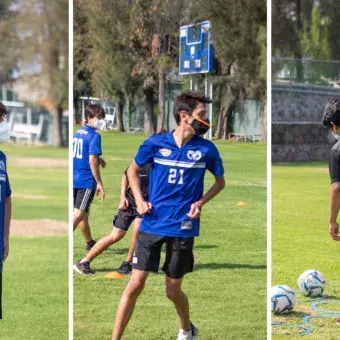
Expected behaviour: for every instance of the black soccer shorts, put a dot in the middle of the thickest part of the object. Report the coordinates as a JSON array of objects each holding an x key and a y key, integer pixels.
[
  {"x": 179, "y": 259},
  {"x": 124, "y": 218},
  {"x": 82, "y": 199}
]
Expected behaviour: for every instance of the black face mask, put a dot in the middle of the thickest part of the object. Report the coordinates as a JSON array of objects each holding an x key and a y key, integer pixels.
[{"x": 201, "y": 126}]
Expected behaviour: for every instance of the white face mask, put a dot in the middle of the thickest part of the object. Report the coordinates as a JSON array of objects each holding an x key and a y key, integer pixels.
[
  {"x": 336, "y": 136},
  {"x": 5, "y": 132},
  {"x": 99, "y": 124}
]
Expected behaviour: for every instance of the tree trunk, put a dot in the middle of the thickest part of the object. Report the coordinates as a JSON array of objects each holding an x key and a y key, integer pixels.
[
  {"x": 220, "y": 123},
  {"x": 298, "y": 52},
  {"x": 161, "y": 100},
  {"x": 264, "y": 121},
  {"x": 119, "y": 113},
  {"x": 128, "y": 109},
  {"x": 148, "y": 118},
  {"x": 57, "y": 135},
  {"x": 225, "y": 125}
]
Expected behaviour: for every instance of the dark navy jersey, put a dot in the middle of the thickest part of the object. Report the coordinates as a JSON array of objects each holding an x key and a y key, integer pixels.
[
  {"x": 5, "y": 191},
  {"x": 334, "y": 163},
  {"x": 176, "y": 181},
  {"x": 86, "y": 142},
  {"x": 144, "y": 177}
]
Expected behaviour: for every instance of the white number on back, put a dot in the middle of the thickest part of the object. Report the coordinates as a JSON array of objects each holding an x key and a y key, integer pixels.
[
  {"x": 173, "y": 176},
  {"x": 77, "y": 148}
]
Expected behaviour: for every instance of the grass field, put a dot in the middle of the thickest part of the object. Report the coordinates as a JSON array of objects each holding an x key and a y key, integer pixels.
[
  {"x": 227, "y": 291},
  {"x": 35, "y": 294},
  {"x": 300, "y": 241}
]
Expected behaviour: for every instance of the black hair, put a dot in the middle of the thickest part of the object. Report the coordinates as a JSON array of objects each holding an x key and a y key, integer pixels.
[
  {"x": 3, "y": 110},
  {"x": 187, "y": 102},
  {"x": 331, "y": 113},
  {"x": 94, "y": 110}
]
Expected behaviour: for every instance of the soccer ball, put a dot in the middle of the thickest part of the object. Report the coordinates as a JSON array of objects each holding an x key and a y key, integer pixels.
[
  {"x": 283, "y": 299},
  {"x": 311, "y": 283}
]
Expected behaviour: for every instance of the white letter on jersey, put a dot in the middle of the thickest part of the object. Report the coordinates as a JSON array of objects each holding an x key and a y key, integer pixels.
[{"x": 173, "y": 176}]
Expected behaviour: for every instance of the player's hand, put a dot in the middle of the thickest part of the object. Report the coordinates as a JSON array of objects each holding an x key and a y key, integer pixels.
[
  {"x": 334, "y": 231},
  {"x": 144, "y": 208},
  {"x": 100, "y": 191},
  {"x": 102, "y": 162},
  {"x": 195, "y": 211},
  {"x": 123, "y": 203},
  {"x": 6, "y": 249}
]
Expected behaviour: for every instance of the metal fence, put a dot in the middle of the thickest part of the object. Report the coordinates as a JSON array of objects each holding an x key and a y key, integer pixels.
[{"x": 306, "y": 71}]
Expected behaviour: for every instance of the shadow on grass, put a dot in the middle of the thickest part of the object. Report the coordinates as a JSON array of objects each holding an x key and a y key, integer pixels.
[
  {"x": 205, "y": 246},
  {"x": 213, "y": 266}
]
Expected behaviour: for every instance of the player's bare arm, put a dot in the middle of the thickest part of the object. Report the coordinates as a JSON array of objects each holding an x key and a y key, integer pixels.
[
  {"x": 134, "y": 181},
  {"x": 334, "y": 211},
  {"x": 124, "y": 184},
  {"x": 8, "y": 216},
  {"x": 94, "y": 164},
  {"x": 102, "y": 162},
  {"x": 216, "y": 188}
]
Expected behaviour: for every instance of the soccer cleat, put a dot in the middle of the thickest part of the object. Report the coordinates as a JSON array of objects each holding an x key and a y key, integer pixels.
[
  {"x": 125, "y": 268},
  {"x": 90, "y": 244},
  {"x": 191, "y": 335},
  {"x": 83, "y": 268}
]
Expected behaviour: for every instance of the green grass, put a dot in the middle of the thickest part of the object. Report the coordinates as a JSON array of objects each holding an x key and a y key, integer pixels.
[
  {"x": 35, "y": 294},
  {"x": 300, "y": 241},
  {"x": 227, "y": 291},
  {"x": 37, "y": 185}
]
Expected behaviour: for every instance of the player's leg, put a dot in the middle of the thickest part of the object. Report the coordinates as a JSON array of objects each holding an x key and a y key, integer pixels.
[
  {"x": 128, "y": 302},
  {"x": 178, "y": 262},
  {"x": 82, "y": 199},
  {"x": 177, "y": 296},
  {"x": 147, "y": 255},
  {"x": 84, "y": 226},
  {"x": 133, "y": 241},
  {"x": 83, "y": 265},
  {"x": 78, "y": 216},
  {"x": 126, "y": 266},
  {"x": 121, "y": 222},
  {"x": 105, "y": 242}
]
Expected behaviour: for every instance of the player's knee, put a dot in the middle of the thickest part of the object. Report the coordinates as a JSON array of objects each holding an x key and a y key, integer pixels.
[
  {"x": 136, "y": 287},
  {"x": 173, "y": 292},
  {"x": 79, "y": 215}
]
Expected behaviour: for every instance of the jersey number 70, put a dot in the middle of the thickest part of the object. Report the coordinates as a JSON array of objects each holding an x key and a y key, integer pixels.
[{"x": 77, "y": 148}]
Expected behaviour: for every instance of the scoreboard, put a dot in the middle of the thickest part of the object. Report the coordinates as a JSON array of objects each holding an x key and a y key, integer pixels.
[{"x": 196, "y": 53}]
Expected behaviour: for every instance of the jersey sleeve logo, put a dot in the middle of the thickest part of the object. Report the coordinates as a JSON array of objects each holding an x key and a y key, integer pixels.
[
  {"x": 2, "y": 166},
  {"x": 194, "y": 155},
  {"x": 165, "y": 152}
]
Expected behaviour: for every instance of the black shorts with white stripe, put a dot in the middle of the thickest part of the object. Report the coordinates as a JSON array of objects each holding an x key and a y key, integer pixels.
[{"x": 82, "y": 199}]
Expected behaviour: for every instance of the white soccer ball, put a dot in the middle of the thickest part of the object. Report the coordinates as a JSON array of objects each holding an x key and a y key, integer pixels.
[
  {"x": 311, "y": 283},
  {"x": 283, "y": 299}
]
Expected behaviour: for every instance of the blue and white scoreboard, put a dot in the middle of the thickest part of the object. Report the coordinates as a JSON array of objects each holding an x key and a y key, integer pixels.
[{"x": 196, "y": 53}]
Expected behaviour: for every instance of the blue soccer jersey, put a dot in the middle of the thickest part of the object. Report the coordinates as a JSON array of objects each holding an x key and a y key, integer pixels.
[
  {"x": 176, "y": 181},
  {"x": 86, "y": 142},
  {"x": 5, "y": 191}
]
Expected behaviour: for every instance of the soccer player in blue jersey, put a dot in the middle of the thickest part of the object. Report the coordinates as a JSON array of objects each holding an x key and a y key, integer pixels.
[
  {"x": 86, "y": 174},
  {"x": 5, "y": 197},
  {"x": 178, "y": 163}
]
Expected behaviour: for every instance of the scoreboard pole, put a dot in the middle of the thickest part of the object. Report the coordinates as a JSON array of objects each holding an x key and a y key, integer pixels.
[{"x": 208, "y": 89}]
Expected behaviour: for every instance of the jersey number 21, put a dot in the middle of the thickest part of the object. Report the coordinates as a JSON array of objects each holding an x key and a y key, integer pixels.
[{"x": 173, "y": 176}]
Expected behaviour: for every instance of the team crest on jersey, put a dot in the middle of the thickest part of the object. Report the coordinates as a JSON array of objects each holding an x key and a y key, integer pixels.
[
  {"x": 194, "y": 155},
  {"x": 165, "y": 152},
  {"x": 2, "y": 166}
]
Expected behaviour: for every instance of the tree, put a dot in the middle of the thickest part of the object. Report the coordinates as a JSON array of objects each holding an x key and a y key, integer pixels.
[
  {"x": 9, "y": 40},
  {"x": 42, "y": 28},
  {"x": 236, "y": 28}
]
